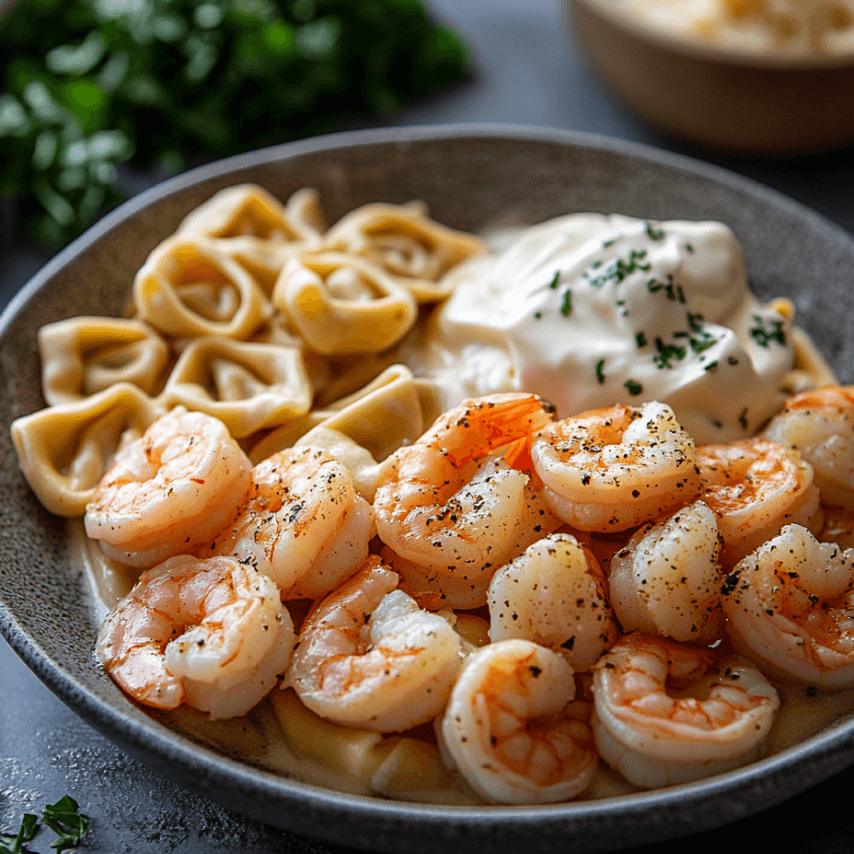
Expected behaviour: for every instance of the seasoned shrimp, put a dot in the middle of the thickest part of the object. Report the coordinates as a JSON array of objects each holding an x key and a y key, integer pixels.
[
  {"x": 791, "y": 606},
  {"x": 449, "y": 505},
  {"x": 754, "y": 487},
  {"x": 507, "y": 729},
  {"x": 554, "y": 594},
  {"x": 303, "y": 524},
  {"x": 169, "y": 491},
  {"x": 209, "y": 633},
  {"x": 715, "y": 717},
  {"x": 611, "y": 469},
  {"x": 820, "y": 424},
  {"x": 369, "y": 657},
  {"x": 666, "y": 580}
]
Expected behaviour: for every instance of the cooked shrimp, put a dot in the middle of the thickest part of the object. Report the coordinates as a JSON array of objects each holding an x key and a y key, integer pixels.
[
  {"x": 554, "y": 594},
  {"x": 368, "y": 656},
  {"x": 507, "y": 730},
  {"x": 666, "y": 580},
  {"x": 754, "y": 488},
  {"x": 791, "y": 607},
  {"x": 209, "y": 633},
  {"x": 611, "y": 469},
  {"x": 303, "y": 524},
  {"x": 451, "y": 506},
  {"x": 715, "y": 717},
  {"x": 169, "y": 491},
  {"x": 820, "y": 424}
]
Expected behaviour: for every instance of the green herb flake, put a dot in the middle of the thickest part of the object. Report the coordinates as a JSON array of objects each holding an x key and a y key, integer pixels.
[
  {"x": 600, "y": 371},
  {"x": 634, "y": 387},
  {"x": 764, "y": 333},
  {"x": 554, "y": 281},
  {"x": 608, "y": 243},
  {"x": 619, "y": 269},
  {"x": 731, "y": 360},
  {"x": 711, "y": 366},
  {"x": 537, "y": 315},
  {"x": 566, "y": 303},
  {"x": 689, "y": 248},
  {"x": 667, "y": 354},
  {"x": 640, "y": 339},
  {"x": 653, "y": 233}
]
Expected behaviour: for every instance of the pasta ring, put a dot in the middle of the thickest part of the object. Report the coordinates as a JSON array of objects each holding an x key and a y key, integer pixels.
[
  {"x": 84, "y": 355},
  {"x": 188, "y": 288},
  {"x": 406, "y": 243},
  {"x": 64, "y": 450},
  {"x": 373, "y": 314},
  {"x": 248, "y": 386}
]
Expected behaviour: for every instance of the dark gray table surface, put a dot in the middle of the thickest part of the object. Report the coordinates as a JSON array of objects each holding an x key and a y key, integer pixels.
[{"x": 528, "y": 71}]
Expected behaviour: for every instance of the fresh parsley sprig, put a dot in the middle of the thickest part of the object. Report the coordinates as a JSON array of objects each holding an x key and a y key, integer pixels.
[
  {"x": 63, "y": 818},
  {"x": 90, "y": 84}
]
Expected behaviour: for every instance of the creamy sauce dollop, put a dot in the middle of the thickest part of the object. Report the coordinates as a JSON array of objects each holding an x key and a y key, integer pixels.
[{"x": 590, "y": 309}]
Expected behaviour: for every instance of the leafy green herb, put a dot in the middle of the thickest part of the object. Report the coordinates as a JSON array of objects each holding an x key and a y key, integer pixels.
[
  {"x": 764, "y": 333},
  {"x": 689, "y": 248},
  {"x": 88, "y": 85},
  {"x": 63, "y": 818},
  {"x": 640, "y": 338},
  {"x": 554, "y": 281},
  {"x": 566, "y": 303},
  {"x": 653, "y": 233},
  {"x": 538, "y": 315},
  {"x": 633, "y": 387},
  {"x": 610, "y": 242},
  {"x": 15, "y": 844},
  {"x": 66, "y": 821},
  {"x": 600, "y": 371},
  {"x": 711, "y": 366}
]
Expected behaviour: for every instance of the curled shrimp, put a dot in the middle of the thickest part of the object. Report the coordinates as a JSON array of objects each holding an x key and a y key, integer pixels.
[
  {"x": 451, "y": 507},
  {"x": 791, "y": 606},
  {"x": 754, "y": 487},
  {"x": 611, "y": 469},
  {"x": 209, "y": 633},
  {"x": 667, "y": 713},
  {"x": 666, "y": 580},
  {"x": 368, "y": 656},
  {"x": 303, "y": 524},
  {"x": 554, "y": 594},
  {"x": 169, "y": 491},
  {"x": 507, "y": 730},
  {"x": 820, "y": 424}
]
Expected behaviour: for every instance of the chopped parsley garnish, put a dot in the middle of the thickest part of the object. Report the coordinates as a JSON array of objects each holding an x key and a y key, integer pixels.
[
  {"x": 667, "y": 353},
  {"x": 689, "y": 248},
  {"x": 634, "y": 387},
  {"x": 537, "y": 315},
  {"x": 566, "y": 303},
  {"x": 640, "y": 339},
  {"x": 764, "y": 333},
  {"x": 600, "y": 371},
  {"x": 711, "y": 366},
  {"x": 554, "y": 281},
  {"x": 619, "y": 269},
  {"x": 653, "y": 233},
  {"x": 671, "y": 289},
  {"x": 610, "y": 242}
]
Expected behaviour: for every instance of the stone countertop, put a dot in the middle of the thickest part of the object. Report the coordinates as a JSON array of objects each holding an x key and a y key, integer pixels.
[{"x": 528, "y": 71}]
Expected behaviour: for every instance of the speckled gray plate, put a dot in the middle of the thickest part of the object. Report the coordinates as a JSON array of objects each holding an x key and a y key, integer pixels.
[{"x": 470, "y": 176}]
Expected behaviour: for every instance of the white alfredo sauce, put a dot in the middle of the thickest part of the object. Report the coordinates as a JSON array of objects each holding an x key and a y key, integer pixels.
[{"x": 588, "y": 310}]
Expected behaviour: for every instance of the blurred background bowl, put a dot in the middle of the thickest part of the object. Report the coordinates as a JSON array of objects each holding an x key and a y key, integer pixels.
[{"x": 718, "y": 96}]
